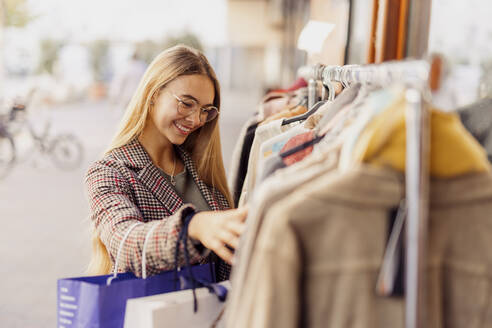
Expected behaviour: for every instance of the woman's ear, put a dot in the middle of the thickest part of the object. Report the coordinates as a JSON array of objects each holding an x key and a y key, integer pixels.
[
  {"x": 151, "y": 107},
  {"x": 153, "y": 100}
]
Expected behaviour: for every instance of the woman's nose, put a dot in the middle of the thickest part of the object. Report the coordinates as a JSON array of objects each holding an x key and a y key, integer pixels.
[{"x": 194, "y": 118}]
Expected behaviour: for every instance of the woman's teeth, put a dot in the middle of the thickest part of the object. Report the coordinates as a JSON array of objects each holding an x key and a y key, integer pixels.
[{"x": 182, "y": 128}]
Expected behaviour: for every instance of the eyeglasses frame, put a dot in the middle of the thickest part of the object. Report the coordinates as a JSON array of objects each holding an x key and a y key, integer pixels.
[{"x": 197, "y": 106}]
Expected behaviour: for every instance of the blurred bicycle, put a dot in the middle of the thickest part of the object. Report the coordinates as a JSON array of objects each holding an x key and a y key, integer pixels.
[
  {"x": 65, "y": 150},
  {"x": 7, "y": 149}
]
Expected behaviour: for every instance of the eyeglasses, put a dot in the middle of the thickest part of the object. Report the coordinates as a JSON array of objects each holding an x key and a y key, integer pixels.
[{"x": 190, "y": 106}]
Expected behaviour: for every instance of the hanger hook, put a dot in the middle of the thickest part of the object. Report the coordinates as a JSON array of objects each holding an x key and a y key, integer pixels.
[
  {"x": 345, "y": 76},
  {"x": 348, "y": 72},
  {"x": 341, "y": 76}
]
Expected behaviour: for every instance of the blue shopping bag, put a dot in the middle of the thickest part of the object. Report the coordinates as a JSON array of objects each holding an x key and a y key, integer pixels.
[
  {"x": 100, "y": 301},
  {"x": 90, "y": 302}
]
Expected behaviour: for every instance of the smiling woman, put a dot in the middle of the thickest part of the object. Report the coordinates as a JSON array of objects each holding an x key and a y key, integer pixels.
[
  {"x": 182, "y": 114},
  {"x": 164, "y": 166}
]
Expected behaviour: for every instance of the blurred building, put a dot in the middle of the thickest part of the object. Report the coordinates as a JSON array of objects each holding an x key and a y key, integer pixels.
[
  {"x": 261, "y": 43},
  {"x": 262, "y": 50}
]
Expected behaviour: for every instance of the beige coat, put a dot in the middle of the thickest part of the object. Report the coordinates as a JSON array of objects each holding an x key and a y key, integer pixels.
[{"x": 317, "y": 256}]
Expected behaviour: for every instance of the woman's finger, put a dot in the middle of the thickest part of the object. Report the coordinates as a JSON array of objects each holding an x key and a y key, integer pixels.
[
  {"x": 236, "y": 227},
  {"x": 229, "y": 238},
  {"x": 224, "y": 253},
  {"x": 242, "y": 213}
]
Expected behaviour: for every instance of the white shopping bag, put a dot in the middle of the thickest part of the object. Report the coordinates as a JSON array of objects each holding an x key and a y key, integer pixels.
[{"x": 176, "y": 310}]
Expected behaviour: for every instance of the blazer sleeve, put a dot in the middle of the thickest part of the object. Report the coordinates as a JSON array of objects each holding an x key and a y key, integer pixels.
[{"x": 113, "y": 211}]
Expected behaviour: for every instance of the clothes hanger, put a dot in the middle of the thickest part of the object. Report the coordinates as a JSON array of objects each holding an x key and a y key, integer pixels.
[
  {"x": 331, "y": 95},
  {"x": 329, "y": 88},
  {"x": 331, "y": 91},
  {"x": 305, "y": 116},
  {"x": 319, "y": 137},
  {"x": 302, "y": 102}
]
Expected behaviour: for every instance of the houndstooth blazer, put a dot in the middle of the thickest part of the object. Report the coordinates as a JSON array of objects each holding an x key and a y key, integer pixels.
[{"x": 125, "y": 187}]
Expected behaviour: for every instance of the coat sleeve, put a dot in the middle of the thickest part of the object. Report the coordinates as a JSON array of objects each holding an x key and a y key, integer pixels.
[
  {"x": 113, "y": 211},
  {"x": 271, "y": 290}
]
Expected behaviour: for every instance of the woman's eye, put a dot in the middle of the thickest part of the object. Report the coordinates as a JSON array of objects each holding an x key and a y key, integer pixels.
[{"x": 188, "y": 105}]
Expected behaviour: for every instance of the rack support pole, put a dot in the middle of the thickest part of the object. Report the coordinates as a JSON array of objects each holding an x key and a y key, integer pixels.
[{"x": 417, "y": 194}]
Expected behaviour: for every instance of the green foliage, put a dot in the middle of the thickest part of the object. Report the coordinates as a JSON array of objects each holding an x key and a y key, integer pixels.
[
  {"x": 147, "y": 50},
  {"x": 15, "y": 13},
  {"x": 186, "y": 38},
  {"x": 49, "y": 55},
  {"x": 99, "y": 52}
]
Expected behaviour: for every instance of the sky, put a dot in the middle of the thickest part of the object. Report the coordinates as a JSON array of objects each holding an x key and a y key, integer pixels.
[
  {"x": 127, "y": 20},
  {"x": 123, "y": 21},
  {"x": 468, "y": 22},
  {"x": 458, "y": 29},
  {"x": 462, "y": 29}
]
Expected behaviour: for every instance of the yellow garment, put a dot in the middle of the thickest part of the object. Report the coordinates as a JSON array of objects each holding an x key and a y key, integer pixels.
[{"x": 453, "y": 150}]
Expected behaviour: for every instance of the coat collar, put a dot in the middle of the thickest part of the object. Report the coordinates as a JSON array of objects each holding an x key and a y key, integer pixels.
[{"x": 134, "y": 156}]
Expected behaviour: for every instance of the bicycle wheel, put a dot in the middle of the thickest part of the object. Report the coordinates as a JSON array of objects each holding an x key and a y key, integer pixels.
[
  {"x": 7, "y": 155},
  {"x": 66, "y": 151}
]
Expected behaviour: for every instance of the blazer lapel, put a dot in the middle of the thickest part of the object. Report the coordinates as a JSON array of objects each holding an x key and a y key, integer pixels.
[
  {"x": 152, "y": 178},
  {"x": 149, "y": 175},
  {"x": 204, "y": 189}
]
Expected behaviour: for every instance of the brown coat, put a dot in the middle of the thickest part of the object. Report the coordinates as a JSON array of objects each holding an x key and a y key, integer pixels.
[
  {"x": 319, "y": 251},
  {"x": 126, "y": 187}
]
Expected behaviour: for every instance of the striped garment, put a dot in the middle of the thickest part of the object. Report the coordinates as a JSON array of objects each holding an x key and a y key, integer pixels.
[{"x": 125, "y": 187}]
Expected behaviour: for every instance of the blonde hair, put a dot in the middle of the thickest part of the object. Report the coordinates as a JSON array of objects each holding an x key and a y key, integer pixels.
[{"x": 203, "y": 144}]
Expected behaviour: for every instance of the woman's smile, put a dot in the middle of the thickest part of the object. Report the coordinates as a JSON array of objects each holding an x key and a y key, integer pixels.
[{"x": 182, "y": 129}]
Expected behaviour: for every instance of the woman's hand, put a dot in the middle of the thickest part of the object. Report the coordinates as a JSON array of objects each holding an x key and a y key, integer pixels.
[{"x": 216, "y": 229}]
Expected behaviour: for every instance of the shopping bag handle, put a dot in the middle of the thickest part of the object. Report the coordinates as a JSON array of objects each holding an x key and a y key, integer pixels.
[
  {"x": 216, "y": 289},
  {"x": 182, "y": 238},
  {"x": 120, "y": 249},
  {"x": 144, "y": 251}
]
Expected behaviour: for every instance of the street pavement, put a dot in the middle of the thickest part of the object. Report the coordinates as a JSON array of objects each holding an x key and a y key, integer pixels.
[{"x": 45, "y": 232}]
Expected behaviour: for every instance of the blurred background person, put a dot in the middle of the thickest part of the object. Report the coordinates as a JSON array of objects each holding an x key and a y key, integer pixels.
[{"x": 126, "y": 80}]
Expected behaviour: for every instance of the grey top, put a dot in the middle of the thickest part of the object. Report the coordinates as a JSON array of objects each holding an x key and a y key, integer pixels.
[{"x": 187, "y": 189}]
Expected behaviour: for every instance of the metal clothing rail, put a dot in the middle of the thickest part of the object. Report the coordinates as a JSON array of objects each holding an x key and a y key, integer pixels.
[
  {"x": 415, "y": 74},
  {"x": 412, "y": 73}
]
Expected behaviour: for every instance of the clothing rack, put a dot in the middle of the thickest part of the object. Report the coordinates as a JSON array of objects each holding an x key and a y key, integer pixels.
[
  {"x": 415, "y": 75},
  {"x": 412, "y": 73}
]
